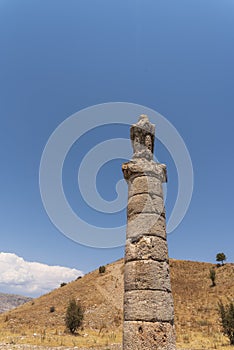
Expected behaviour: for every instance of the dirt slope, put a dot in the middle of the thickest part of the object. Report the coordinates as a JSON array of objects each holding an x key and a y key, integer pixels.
[{"x": 101, "y": 295}]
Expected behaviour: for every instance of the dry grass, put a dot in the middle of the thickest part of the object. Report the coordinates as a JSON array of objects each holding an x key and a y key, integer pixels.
[
  {"x": 196, "y": 318},
  {"x": 51, "y": 338}
]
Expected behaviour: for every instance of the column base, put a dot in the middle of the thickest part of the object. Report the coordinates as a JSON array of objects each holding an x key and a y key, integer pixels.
[{"x": 140, "y": 335}]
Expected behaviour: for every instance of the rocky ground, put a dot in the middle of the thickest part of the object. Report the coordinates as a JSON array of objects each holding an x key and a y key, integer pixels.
[{"x": 35, "y": 347}]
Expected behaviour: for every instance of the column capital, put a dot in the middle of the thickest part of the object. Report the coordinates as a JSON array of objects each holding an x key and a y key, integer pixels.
[{"x": 143, "y": 167}]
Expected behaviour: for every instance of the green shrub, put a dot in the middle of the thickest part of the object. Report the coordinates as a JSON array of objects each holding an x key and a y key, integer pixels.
[
  {"x": 63, "y": 284},
  {"x": 226, "y": 314},
  {"x": 212, "y": 276},
  {"x": 52, "y": 309},
  {"x": 102, "y": 269},
  {"x": 74, "y": 316}
]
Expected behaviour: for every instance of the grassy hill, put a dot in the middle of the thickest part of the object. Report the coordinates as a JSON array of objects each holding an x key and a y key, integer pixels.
[{"x": 196, "y": 318}]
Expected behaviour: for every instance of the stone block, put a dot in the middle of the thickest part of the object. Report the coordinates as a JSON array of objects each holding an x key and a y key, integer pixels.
[
  {"x": 145, "y": 184},
  {"x": 158, "y": 204},
  {"x": 148, "y": 305},
  {"x": 146, "y": 247},
  {"x": 148, "y": 336},
  {"x": 144, "y": 203},
  {"x": 147, "y": 274},
  {"x": 148, "y": 224}
]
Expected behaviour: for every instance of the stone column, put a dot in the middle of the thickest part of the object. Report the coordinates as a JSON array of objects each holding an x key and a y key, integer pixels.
[{"x": 148, "y": 302}]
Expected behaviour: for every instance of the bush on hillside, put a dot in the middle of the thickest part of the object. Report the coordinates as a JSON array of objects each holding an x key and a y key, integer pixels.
[
  {"x": 102, "y": 269},
  {"x": 74, "y": 316},
  {"x": 226, "y": 314},
  {"x": 52, "y": 309},
  {"x": 212, "y": 276}
]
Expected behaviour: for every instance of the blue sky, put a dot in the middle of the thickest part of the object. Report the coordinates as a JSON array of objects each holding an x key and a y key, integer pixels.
[{"x": 59, "y": 57}]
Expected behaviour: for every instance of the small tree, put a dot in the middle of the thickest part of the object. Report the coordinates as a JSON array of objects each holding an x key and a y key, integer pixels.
[
  {"x": 221, "y": 257},
  {"x": 226, "y": 314},
  {"x": 74, "y": 316},
  {"x": 212, "y": 276}
]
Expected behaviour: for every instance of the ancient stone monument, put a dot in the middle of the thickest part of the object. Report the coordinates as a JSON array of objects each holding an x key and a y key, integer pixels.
[{"x": 148, "y": 302}]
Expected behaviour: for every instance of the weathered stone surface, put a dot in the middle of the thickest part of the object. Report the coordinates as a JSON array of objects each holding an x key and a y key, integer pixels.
[
  {"x": 148, "y": 224},
  {"x": 148, "y": 305},
  {"x": 142, "y": 137},
  {"x": 147, "y": 274},
  {"x": 146, "y": 247},
  {"x": 158, "y": 204},
  {"x": 140, "y": 167},
  {"x": 143, "y": 203},
  {"x": 149, "y": 336},
  {"x": 145, "y": 184}
]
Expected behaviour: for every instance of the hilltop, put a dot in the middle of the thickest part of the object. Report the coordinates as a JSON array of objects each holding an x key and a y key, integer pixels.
[{"x": 196, "y": 318}]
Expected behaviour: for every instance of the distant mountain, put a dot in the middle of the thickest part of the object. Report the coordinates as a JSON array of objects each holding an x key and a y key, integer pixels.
[{"x": 10, "y": 301}]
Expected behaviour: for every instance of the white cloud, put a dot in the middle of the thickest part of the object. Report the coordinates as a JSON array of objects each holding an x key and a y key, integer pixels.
[{"x": 31, "y": 278}]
